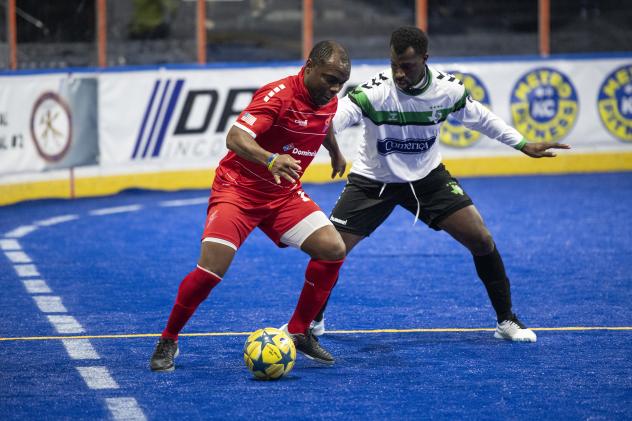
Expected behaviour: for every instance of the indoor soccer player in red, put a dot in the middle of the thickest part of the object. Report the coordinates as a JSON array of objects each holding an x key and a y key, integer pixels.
[{"x": 257, "y": 185}]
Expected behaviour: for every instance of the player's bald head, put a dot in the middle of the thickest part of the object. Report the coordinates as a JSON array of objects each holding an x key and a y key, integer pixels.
[
  {"x": 327, "y": 69},
  {"x": 329, "y": 51}
]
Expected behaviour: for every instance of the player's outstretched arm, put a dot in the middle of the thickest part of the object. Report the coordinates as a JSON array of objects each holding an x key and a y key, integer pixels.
[{"x": 542, "y": 150}]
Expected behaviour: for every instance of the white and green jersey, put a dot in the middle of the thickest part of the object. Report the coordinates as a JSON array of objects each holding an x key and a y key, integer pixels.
[{"x": 401, "y": 131}]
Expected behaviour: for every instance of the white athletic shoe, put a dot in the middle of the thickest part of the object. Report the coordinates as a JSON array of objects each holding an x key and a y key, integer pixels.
[
  {"x": 514, "y": 330},
  {"x": 318, "y": 328}
]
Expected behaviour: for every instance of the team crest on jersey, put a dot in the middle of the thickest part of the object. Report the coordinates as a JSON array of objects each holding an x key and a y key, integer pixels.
[
  {"x": 544, "y": 105},
  {"x": 615, "y": 103},
  {"x": 453, "y": 132}
]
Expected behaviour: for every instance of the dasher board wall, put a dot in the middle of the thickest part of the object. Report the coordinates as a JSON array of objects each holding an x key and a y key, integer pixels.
[{"x": 92, "y": 132}]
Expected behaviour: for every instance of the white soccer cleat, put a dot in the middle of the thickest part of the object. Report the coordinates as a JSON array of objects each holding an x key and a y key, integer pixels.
[
  {"x": 514, "y": 330},
  {"x": 318, "y": 328}
]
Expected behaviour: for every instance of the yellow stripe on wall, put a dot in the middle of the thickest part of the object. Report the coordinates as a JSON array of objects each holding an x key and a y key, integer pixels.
[
  {"x": 168, "y": 180},
  {"x": 521, "y": 164},
  {"x": 105, "y": 185},
  {"x": 54, "y": 189},
  {"x": 316, "y": 173}
]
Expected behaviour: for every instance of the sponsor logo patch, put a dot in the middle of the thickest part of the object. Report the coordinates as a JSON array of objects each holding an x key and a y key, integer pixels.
[
  {"x": 339, "y": 221},
  {"x": 407, "y": 146}
]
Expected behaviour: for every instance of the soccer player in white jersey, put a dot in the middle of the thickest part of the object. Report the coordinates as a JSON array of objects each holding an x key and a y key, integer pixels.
[{"x": 399, "y": 163}]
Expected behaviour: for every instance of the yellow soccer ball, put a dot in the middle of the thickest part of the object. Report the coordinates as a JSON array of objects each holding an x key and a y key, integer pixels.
[{"x": 269, "y": 353}]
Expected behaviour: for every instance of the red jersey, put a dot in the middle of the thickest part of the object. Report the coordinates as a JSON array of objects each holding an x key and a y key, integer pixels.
[{"x": 282, "y": 119}]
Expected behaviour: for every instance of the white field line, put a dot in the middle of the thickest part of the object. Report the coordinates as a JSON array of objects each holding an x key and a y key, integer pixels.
[
  {"x": 21, "y": 231},
  {"x": 97, "y": 377},
  {"x": 49, "y": 304},
  {"x": 184, "y": 202},
  {"x": 66, "y": 324},
  {"x": 36, "y": 286},
  {"x": 56, "y": 220},
  {"x": 117, "y": 209},
  {"x": 18, "y": 257},
  {"x": 125, "y": 409},
  {"x": 80, "y": 349},
  {"x": 26, "y": 271},
  {"x": 9, "y": 244}
]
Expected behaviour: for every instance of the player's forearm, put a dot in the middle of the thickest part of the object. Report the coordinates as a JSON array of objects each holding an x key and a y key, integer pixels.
[
  {"x": 476, "y": 117},
  {"x": 347, "y": 115},
  {"x": 330, "y": 143},
  {"x": 246, "y": 147}
]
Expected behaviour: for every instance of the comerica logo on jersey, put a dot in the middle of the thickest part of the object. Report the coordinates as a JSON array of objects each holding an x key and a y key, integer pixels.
[{"x": 406, "y": 146}]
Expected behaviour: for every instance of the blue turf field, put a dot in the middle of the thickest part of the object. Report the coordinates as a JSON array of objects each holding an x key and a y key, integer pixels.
[{"x": 567, "y": 245}]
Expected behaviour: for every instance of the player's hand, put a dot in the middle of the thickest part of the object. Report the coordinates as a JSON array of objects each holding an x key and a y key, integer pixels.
[
  {"x": 287, "y": 167},
  {"x": 541, "y": 150},
  {"x": 338, "y": 164}
]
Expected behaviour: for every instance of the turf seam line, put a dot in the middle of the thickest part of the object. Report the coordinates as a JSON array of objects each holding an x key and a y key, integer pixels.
[{"x": 333, "y": 332}]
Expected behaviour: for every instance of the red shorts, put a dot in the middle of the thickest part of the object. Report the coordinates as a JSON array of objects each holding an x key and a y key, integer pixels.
[{"x": 231, "y": 217}]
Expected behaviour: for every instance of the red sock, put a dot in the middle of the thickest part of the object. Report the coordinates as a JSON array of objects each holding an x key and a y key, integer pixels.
[
  {"x": 320, "y": 278},
  {"x": 194, "y": 289}
]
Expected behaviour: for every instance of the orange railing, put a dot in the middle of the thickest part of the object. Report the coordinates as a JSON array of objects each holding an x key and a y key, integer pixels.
[
  {"x": 13, "y": 37},
  {"x": 421, "y": 20}
]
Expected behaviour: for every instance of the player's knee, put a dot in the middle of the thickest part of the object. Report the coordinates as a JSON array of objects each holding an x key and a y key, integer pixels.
[
  {"x": 483, "y": 244},
  {"x": 213, "y": 265},
  {"x": 333, "y": 248},
  {"x": 215, "y": 269},
  {"x": 338, "y": 250}
]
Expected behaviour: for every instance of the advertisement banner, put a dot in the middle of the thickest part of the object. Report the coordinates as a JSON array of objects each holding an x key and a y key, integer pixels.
[
  {"x": 181, "y": 117},
  {"x": 47, "y": 122},
  {"x": 174, "y": 116},
  {"x": 166, "y": 127}
]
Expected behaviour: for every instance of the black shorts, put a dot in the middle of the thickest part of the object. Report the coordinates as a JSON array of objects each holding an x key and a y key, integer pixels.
[{"x": 364, "y": 203}]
